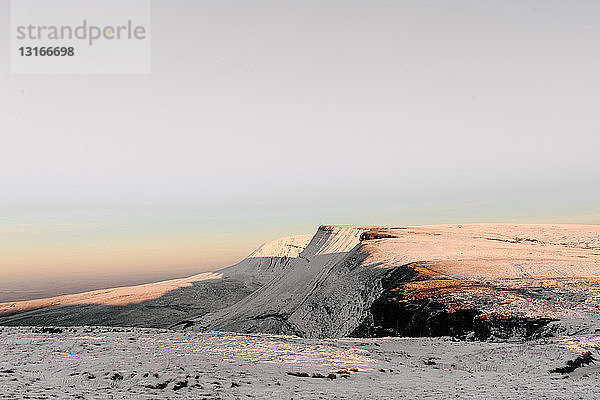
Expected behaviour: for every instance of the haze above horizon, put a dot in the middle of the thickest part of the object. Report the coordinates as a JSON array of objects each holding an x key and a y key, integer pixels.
[{"x": 266, "y": 119}]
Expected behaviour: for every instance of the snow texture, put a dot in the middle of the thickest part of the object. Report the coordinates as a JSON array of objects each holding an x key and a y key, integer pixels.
[{"x": 140, "y": 363}]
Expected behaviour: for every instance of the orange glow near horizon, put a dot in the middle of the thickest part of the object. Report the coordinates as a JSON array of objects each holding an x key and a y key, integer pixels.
[
  {"x": 177, "y": 255},
  {"x": 63, "y": 251}
]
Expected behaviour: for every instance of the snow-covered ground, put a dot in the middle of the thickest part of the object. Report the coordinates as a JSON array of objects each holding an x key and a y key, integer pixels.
[{"x": 137, "y": 363}]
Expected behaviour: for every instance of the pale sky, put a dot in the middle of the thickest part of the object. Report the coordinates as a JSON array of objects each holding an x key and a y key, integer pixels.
[{"x": 263, "y": 119}]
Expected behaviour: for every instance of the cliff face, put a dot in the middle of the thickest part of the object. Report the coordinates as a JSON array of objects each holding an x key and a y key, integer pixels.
[
  {"x": 472, "y": 281},
  {"x": 302, "y": 300}
]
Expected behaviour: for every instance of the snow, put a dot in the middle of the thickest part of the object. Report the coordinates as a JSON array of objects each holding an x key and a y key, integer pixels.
[
  {"x": 274, "y": 307},
  {"x": 290, "y": 247},
  {"x": 269, "y": 260},
  {"x": 111, "y": 297},
  {"x": 118, "y": 363}
]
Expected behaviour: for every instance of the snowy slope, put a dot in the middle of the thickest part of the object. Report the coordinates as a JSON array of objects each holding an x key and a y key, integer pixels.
[
  {"x": 273, "y": 307},
  {"x": 160, "y": 304},
  {"x": 268, "y": 261}
]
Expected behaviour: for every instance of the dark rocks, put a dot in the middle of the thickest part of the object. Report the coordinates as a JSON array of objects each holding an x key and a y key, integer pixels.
[
  {"x": 161, "y": 385},
  {"x": 88, "y": 375},
  {"x": 116, "y": 376},
  {"x": 393, "y": 315},
  {"x": 314, "y": 375},
  {"x": 583, "y": 359},
  {"x": 180, "y": 384},
  {"x": 48, "y": 329},
  {"x": 299, "y": 374},
  {"x": 426, "y": 318},
  {"x": 373, "y": 234}
]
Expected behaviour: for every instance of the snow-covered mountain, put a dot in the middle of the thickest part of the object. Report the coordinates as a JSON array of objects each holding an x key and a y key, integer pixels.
[
  {"x": 159, "y": 304},
  {"x": 468, "y": 281}
]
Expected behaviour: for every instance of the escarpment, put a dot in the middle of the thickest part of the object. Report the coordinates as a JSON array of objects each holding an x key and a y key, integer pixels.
[{"x": 472, "y": 281}]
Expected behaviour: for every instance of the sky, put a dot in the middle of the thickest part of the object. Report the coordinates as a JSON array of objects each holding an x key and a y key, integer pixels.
[{"x": 263, "y": 119}]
